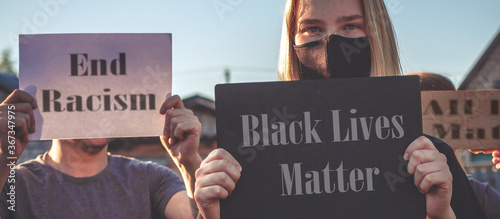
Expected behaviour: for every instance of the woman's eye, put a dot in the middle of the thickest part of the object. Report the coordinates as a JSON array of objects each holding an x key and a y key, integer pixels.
[
  {"x": 310, "y": 30},
  {"x": 351, "y": 27},
  {"x": 313, "y": 29}
]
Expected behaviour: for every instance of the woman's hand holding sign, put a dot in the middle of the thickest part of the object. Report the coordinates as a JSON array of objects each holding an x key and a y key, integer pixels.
[
  {"x": 215, "y": 179},
  {"x": 181, "y": 138},
  {"x": 432, "y": 176}
]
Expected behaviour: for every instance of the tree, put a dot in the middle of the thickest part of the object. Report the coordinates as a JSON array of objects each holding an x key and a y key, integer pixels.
[{"x": 6, "y": 65}]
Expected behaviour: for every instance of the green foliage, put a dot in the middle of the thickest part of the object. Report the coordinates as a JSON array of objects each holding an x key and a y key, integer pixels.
[{"x": 6, "y": 64}]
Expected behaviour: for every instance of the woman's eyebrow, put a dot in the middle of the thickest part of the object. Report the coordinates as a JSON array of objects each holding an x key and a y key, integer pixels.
[
  {"x": 343, "y": 19},
  {"x": 310, "y": 21}
]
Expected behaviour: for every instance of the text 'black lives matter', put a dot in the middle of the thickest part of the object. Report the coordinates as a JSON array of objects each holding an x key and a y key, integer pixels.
[{"x": 321, "y": 149}]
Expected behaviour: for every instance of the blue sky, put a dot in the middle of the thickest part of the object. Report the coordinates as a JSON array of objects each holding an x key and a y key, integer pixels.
[{"x": 446, "y": 36}]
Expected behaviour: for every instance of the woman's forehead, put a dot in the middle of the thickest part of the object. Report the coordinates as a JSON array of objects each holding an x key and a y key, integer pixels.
[{"x": 327, "y": 9}]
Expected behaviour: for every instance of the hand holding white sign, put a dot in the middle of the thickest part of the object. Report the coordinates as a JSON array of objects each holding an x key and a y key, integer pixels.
[
  {"x": 181, "y": 138},
  {"x": 432, "y": 176},
  {"x": 16, "y": 121}
]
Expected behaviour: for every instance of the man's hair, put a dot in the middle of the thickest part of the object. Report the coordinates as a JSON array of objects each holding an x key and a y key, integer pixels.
[
  {"x": 378, "y": 27},
  {"x": 433, "y": 81}
]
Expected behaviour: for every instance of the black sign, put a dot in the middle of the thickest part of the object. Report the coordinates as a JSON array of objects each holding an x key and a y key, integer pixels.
[{"x": 321, "y": 149}]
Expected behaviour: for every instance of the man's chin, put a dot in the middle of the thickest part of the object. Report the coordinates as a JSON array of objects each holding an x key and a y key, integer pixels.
[
  {"x": 92, "y": 149},
  {"x": 95, "y": 145}
]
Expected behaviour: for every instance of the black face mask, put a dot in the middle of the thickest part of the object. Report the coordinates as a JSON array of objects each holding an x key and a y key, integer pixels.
[{"x": 334, "y": 57}]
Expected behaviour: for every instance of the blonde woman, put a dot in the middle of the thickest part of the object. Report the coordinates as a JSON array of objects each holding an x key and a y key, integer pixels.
[{"x": 338, "y": 39}]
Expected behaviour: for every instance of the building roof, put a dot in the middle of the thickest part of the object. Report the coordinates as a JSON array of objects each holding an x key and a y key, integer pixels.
[
  {"x": 8, "y": 83},
  {"x": 487, "y": 55},
  {"x": 198, "y": 100}
]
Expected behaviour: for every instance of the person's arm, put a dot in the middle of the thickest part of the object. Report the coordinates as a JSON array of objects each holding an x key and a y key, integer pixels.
[
  {"x": 181, "y": 138},
  {"x": 432, "y": 177},
  {"x": 16, "y": 122},
  {"x": 215, "y": 179},
  {"x": 178, "y": 206}
]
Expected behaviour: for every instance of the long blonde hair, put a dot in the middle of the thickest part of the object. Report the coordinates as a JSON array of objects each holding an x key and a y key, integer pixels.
[{"x": 378, "y": 27}]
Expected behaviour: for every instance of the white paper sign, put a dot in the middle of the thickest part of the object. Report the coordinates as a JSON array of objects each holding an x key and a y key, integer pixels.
[{"x": 96, "y": 85}]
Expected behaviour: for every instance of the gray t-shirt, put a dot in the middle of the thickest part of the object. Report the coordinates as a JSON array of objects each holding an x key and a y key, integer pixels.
[{"x": 126, "y": 188}]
